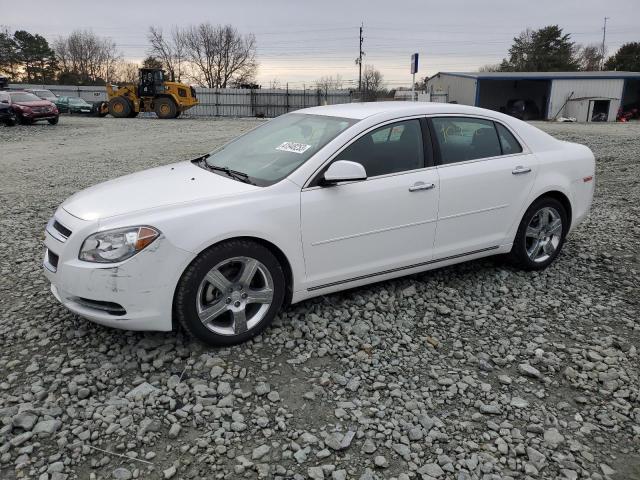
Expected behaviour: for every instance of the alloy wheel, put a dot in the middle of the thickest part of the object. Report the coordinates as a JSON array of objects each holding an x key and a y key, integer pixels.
[
  {"x": 543, "y": 234},
  {"x": 234, "y": 296}
]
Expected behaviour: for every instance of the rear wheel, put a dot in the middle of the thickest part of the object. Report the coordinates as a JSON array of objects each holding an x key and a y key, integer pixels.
[
  {"x": 120, "y": 107},
  {"x": 165, "y": 108},
  {"x": 230, "y": 293},
  {"x": 541, "y": 234}
]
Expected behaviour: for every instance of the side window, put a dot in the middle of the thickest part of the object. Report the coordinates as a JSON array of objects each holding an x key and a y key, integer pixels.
[
  {"x": 389, "y": 149},
  {"x": 462, "y": 139},
  {"x": 508, "y": 142}
]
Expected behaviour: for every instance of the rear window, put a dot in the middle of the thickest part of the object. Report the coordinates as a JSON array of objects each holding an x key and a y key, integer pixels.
[{"x": 508, "y": 142}]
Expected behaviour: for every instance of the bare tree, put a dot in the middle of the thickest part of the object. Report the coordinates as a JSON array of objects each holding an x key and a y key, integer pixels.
[
  {"x": 126, "y": 72},
  {"x": 169, "y": 50},
  {"x": 275, "y": 84},
  {"x": 589, "y": 57},
  {"x": 219, "y": 54},
  {"x": 84, "y": 57},
  {"x": 490, "y": 67},
  {"x": 327, "y": 83},
  {"x": 372, "y": 83}
]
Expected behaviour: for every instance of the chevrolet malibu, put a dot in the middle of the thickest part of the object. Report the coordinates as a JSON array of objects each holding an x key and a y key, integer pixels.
[{"x": 309, "y": 203}]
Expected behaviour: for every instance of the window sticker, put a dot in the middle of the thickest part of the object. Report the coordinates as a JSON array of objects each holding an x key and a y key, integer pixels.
[{"x": 293, "y": 147}]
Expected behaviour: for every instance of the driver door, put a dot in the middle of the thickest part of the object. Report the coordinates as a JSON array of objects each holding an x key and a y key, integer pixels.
[{"x": 386, "y": 222}]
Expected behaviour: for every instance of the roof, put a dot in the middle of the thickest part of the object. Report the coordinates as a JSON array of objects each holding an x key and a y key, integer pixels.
[
  {"x": 541, "y": 75},
  {"x": 368, "y": 109}
]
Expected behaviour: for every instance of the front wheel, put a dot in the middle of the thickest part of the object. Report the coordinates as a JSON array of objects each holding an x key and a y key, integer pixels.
[
  {"x": 541, "y": 234},
  {"x": 165, "y": 108},
  {"x": 53, "y": 121},
  {"x": 230, "y": 293}
]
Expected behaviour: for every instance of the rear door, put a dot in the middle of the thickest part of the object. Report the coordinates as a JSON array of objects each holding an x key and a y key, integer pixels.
[
  {"x": 486, "y": 176},
  {"x": 388, "y": 221}
]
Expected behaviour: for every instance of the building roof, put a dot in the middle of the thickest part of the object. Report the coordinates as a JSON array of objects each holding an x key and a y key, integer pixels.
[{"x": 541, "y": 75}]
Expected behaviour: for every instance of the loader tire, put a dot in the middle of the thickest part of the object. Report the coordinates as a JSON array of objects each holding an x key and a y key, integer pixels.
[
  {"x": 165, "y": 108},
  {"x": 120, "y": 107}
]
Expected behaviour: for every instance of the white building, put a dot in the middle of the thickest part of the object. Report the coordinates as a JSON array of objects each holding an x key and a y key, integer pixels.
[{"x": 586, "y": 96}]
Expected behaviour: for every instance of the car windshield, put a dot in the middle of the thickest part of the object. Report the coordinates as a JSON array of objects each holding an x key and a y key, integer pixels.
[
  {"x": 272, "y": 151},
  {"x": 44, "y": 94},
  {"x": 77, "y": 101},
  {"x": 24, "y": 97}
]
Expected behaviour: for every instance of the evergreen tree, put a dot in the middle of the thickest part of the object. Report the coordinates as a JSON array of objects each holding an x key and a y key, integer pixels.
[
  {"x": 626, "y": 59},
  {"x": 545, "y": 50}
]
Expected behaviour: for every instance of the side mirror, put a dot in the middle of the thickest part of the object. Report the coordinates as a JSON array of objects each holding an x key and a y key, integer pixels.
[{"x": 344, "y": 171}]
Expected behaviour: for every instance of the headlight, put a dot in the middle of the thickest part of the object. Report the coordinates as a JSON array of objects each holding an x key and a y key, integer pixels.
[{"x": 116, "y": 245}]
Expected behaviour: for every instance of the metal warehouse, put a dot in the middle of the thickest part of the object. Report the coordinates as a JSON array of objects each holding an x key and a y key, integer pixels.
[{"x": 585, "y": 96}]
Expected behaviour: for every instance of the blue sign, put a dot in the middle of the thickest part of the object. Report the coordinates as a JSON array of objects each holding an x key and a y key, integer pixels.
[{"x": 414, "y": 63}]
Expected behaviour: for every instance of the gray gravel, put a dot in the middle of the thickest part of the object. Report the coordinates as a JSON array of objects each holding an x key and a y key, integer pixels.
[{"x": 472, "y": 371}]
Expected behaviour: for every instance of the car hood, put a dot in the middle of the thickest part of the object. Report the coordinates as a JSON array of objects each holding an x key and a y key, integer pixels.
[
  {"x": 35, "y": 103},
  {"x": 173, "y": 184}
]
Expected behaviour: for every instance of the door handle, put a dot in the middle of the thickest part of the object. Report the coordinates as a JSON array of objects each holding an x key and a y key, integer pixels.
[
  {"x": 519, "y": 170},
  {"x": 421, "y": 186}
]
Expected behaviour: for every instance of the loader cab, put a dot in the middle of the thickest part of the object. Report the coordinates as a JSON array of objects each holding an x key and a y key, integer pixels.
[{"x": 151, "y": 82}]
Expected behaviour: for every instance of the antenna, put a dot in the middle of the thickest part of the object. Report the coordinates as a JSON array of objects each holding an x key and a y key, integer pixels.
[
  {"x": 604, "y": 38},
  {"x": 359, "y": 60}
]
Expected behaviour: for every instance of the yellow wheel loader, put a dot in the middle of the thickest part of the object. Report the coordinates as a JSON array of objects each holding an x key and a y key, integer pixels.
[{"x": 151, "y": 94}]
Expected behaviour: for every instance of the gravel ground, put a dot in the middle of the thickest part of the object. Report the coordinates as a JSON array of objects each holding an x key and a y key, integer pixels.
[{"x": 472, "y": 371}]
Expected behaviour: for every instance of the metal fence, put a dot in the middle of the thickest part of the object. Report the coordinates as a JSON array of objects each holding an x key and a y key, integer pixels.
[{"x": 226, "y": 102}]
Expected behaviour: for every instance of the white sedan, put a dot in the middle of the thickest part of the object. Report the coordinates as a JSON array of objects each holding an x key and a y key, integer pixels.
[{"x": 309, "y": 203}]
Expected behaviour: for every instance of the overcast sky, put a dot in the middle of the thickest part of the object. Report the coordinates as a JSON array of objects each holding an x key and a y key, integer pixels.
[{"x": 299, "y": 41}]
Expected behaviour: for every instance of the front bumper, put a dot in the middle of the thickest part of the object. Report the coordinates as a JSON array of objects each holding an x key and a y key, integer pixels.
[{"x": 136, "y": 294}]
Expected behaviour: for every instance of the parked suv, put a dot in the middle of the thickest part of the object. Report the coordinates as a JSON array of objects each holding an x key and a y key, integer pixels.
[
  {"x": 29, "y": 108},
  {"x": 6, "y": 112},
  {"x": 43, "y": 93}
]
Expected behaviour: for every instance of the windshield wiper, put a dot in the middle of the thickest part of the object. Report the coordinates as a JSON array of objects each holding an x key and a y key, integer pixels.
[{"x": 235, "y": 174}]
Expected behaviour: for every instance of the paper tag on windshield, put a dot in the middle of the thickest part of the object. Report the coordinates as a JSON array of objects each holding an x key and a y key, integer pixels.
[{"x": 293, "y": 147}]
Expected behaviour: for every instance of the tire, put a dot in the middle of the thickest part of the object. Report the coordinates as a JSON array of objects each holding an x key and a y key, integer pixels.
[
  {"x": 120, "y": 107},
  {"x": 165, "y": 108},
  {"x": 224, "y": 302},
  {"x": 53, "y": 121},
  {"x": 540, "y": 237},
  {"x": 10, "y": 122}
]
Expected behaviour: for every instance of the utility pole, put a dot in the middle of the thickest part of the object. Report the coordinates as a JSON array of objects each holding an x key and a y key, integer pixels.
[
  {"x": 604, "y": 38},
  {"x": 359, "y": 61}
]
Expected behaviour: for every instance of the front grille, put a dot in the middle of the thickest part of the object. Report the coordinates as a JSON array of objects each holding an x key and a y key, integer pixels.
[
  {"x": 64, "y": 231},
  {"x": 51, "y": 260},
  {"x": 58, "y": 231},
  {"x": 108, "y": 307}
]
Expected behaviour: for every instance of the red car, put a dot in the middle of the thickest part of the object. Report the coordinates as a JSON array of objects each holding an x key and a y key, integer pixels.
[{"x": 30, "y": 108}]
